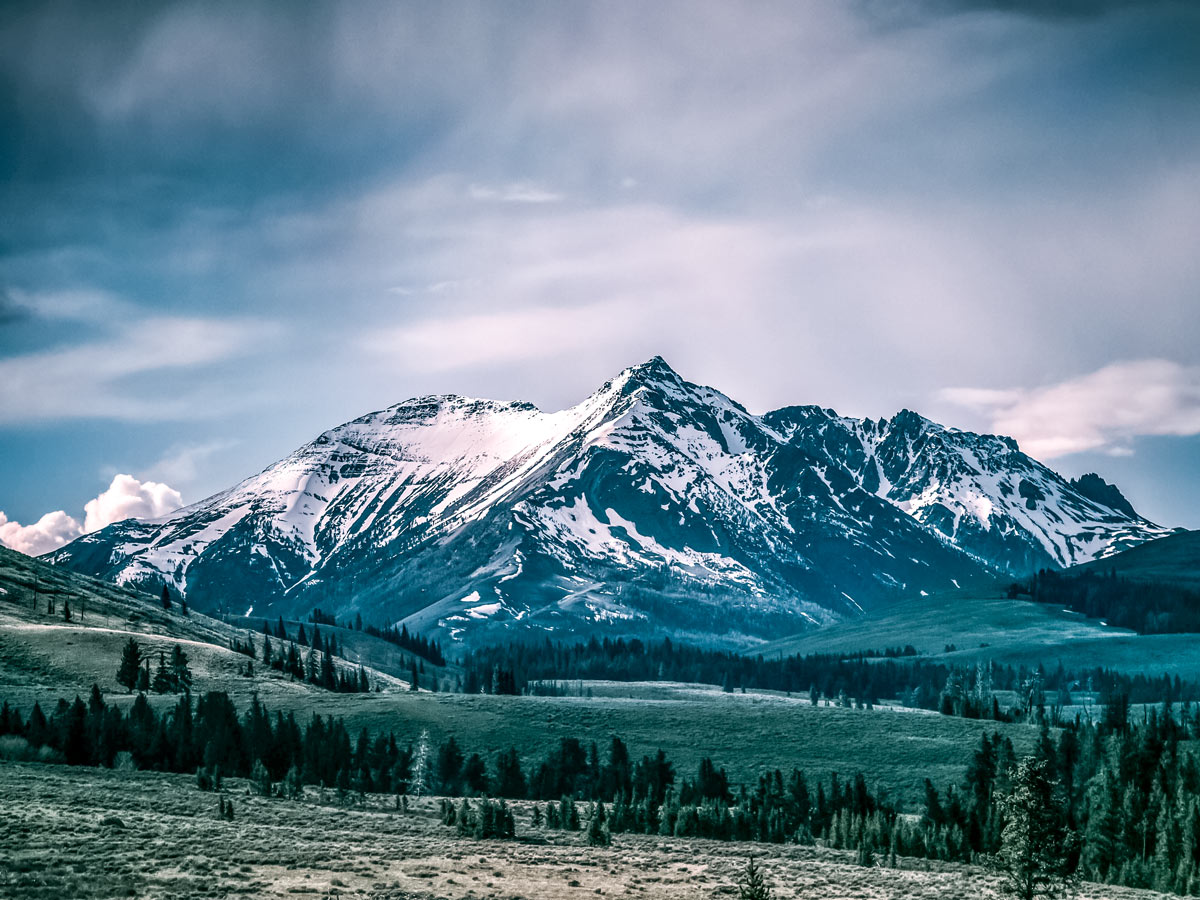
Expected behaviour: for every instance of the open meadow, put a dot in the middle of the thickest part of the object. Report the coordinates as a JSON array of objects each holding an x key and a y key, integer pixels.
[
  {"x": 965, "y": 627},
  {"x": 92, "y": 834}
]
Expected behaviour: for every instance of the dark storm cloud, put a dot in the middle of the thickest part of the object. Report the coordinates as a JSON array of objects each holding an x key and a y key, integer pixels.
[{"x": 345, "y": 204}]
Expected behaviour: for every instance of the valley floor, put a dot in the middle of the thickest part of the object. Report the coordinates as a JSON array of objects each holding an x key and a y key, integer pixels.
[{"x": 87, "y": 834}]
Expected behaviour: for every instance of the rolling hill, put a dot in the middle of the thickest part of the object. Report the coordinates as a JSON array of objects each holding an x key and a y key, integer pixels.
[
  {"x": 41, "y": 653},
  {"x": 985, "y": 623}
]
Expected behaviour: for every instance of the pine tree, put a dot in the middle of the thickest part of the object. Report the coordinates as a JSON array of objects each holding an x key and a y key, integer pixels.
[
  {"x": 181, "y": 675},
  {"x": 261, "y": 778},
  {"x": 420, "y": 766},
  {"x": 1035, "y": 845},
  {"x": 162, "y": 678},
  {"x": 597, "y": 830},
  {"x": 752, "y": 884},
  {"x": 166, "y": 597},
  {"x": 131, "y": 665},
  {"x": 328, "y": 672}
]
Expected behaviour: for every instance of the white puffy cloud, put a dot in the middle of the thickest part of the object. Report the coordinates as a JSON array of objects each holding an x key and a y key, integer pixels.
[
  {"x": 50, "y": 532},
  {"x": 1102, "y": 410},
  {"x": 125, "y": 498},
  {"x": 128, "y": 498}
]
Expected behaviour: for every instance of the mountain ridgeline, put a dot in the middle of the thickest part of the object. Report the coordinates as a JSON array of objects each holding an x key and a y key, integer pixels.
[{"x": 655, "y": 506}]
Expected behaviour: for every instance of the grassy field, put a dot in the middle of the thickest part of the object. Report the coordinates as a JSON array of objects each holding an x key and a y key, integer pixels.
[
  {"x": 983, "y": 625},
  {"x": 89, "y": 834},
  {"x": 1174, "y": 559},
  {"x": 747, "y": 733}
]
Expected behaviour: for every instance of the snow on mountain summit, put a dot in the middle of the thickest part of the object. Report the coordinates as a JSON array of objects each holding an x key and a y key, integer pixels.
[{"x": 655, "y": 505}]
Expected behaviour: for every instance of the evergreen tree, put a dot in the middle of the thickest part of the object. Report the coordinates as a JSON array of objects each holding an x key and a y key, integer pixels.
[
  {"x": 597, "y": 834},
  {"x": 166, "y": 597},
  {"x": 162, "y": 677},
  {"x": 328, "y": 672},
  {"x": 752, "y": 884},
  {"x": 449, "y": 767},
  {"x": 510, "y": 780},
  {"x": 474, "y": 775},
  {"x": 1035, "y": 845},
  {"x": 131, "y": 665},
  {"x": 420, "y": 766},
  {"x": 181, "y": 675}
]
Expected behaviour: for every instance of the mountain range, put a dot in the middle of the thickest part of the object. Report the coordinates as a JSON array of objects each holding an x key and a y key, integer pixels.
[{"x": 655, "y": 506}]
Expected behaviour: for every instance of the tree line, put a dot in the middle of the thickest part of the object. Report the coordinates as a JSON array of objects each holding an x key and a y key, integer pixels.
[
  {"x": 1147, "y": 607},
  {"x": 859, "y": 679},
  {"x": 426, "y": 648},
  {"x": 313, "y": 663}
]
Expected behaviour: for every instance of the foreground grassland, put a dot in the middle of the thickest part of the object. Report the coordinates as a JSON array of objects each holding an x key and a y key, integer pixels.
[{"x": 89, "y": 834}]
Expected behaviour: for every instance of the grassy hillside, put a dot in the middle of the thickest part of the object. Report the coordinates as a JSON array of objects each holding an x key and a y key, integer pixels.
[
  {"x": 361, "y": 647},
  {"x": 44, "y": 654},
  {"x": 1174, "y": 559},
  {"x": 986, "y": 625}
]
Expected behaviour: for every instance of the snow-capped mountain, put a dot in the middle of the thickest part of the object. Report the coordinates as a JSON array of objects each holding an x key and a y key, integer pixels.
[{"x": 654, "y": 506}]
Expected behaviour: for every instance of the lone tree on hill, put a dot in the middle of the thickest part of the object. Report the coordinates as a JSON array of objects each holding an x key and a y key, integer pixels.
[
  {"x": 1036, "y": 845},
  {"x": 166, "y": 597},
  {"x": 131, "y": 665}
]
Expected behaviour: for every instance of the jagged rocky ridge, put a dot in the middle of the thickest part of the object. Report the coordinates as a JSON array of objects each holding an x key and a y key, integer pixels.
[{"x": 655, "y": 506}]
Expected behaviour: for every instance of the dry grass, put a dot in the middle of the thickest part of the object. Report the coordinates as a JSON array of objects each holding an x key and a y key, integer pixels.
[{"x": 74, "y": 834}]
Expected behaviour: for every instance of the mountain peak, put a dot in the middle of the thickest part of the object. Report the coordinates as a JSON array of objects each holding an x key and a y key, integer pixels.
[
  {"x": 909, "y": 421},
  {"x": 1096, "y": 488},
  {"x": 655, "y": 369},
  {"x": 476, "y": 518}
]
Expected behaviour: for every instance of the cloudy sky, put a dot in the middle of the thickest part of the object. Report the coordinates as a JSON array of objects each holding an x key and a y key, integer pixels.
[{"x": 229, "y": 227}]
